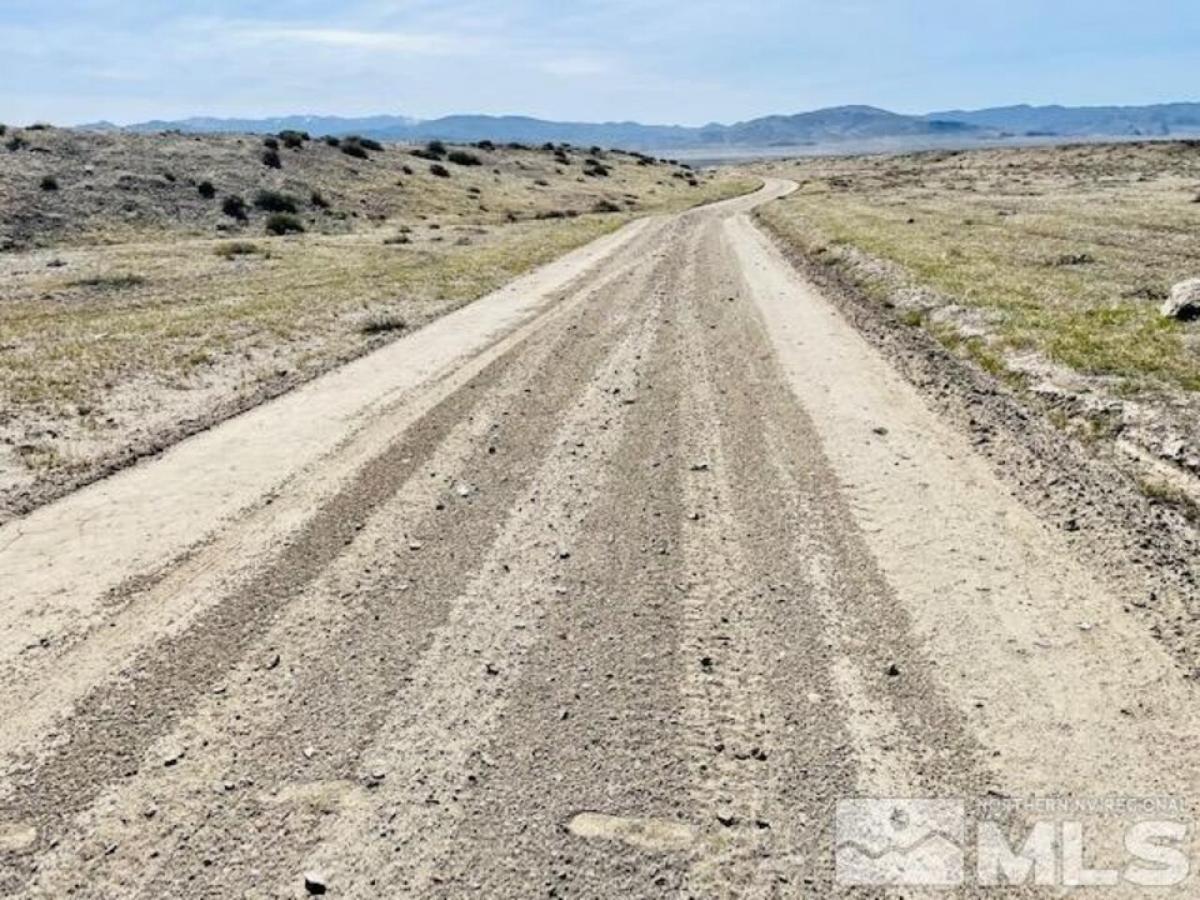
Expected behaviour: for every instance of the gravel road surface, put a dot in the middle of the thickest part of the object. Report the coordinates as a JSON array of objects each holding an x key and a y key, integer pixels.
[{"x": 612, "y": 584}]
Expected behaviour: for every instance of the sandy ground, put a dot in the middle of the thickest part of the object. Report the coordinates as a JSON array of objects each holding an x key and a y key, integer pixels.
[{"x": 613, "y": 583}]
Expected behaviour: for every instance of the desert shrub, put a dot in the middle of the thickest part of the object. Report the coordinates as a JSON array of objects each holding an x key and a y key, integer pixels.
[
  {"x": 270, "y": 143},
  {"x": 407, "y": 170},
  {"x": 40, "y": 126},
  {"x": 3, "y": 129},
  {"x": 332, "y": 141},
  {"x": 109, "y": 282},
  {"x": 369, "y": 143},
  {"x": 439, "y": 170},
  {"x": 353, "y": 147},
  {"x": 234, "y": 207},
  {"x": 605, "y": 206},
  {"x": 232, "y": 249},
  {"x": 284, "y": 223},
  {"x": 274, "y": 201},
  {"x": 516, "y": 145},
  {"x": 541, "y": 182},
  {"x": 1073, "y": 259},
  {"x": 596, "y": 151},
  {"x": 595, "y": 169},
  {"x": 485, "y": 145},
  {"x": 271, "y": 159},
  {"x": 15, "y": 143},
  {"x": 382, "y": 323},
  {"x": 318, "y": 200},
  {"x": 463, "y": 158},
  {"x": 293, "y": 140},
  {"x": 434, "y": 150},
  {"x": 397, "y": 239},
  {"x": 49, "y": 183},
  {"x": 206, "y": 189}
]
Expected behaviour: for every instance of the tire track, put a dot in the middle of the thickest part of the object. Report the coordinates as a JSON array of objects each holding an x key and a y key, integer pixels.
[
  {"x": 592, "y": 721},
  {"x": 430, "y": 749},
  {"x": 185, "y": 668}
]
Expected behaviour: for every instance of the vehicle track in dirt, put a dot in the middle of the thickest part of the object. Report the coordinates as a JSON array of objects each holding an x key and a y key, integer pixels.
[{"x": 618, "y": 590}]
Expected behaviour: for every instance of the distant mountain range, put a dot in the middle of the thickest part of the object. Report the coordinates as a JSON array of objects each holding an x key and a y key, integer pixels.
[{"x": 837, "y": 125}]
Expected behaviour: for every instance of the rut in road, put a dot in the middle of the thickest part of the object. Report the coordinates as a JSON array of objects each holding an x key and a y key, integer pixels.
[{"x": 601, "y": 620}]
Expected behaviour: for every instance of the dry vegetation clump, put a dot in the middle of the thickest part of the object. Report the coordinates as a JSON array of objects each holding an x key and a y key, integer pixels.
[
  {"x": 275, "y": 201},
  {"x": 234, "y": 249},
  {"x": 281, "y": 223},
  {"x": 463, "y": 158},
  {"x": 235, "y": 207}
]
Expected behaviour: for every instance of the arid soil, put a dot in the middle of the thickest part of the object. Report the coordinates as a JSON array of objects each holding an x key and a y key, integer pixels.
[
  {"x": 136, "y": 310},
  {"x": 612, "y": 583},
  {"x": 1046, "y": 268}
]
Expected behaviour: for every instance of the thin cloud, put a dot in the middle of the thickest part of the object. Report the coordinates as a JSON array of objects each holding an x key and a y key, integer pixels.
[
  {"x": 575, "y": 67},
  {"x": 381, "y": 41}
]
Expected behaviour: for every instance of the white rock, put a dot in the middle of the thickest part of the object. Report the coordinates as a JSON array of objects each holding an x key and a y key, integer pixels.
[{"x": 1184, "y": 302}]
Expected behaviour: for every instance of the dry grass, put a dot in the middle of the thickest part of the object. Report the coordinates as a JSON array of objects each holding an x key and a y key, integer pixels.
[
  {"x": 1066, "y": 252},
  {"x": 141, "y": 304}
]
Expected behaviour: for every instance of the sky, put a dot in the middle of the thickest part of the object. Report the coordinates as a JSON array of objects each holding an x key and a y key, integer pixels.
[{"x": 654, "y": 61}]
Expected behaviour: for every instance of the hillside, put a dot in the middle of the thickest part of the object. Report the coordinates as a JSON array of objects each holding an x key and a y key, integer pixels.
[
  {"x": 114, "y": 186},
  {"x": 825, "y": 126},
  {"x": 156, "y": 284},
  {"x": 1086, "y": 121}
]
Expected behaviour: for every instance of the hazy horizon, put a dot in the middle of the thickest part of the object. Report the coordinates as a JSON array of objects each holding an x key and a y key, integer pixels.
[
  {"x": 606, "y": 60},
  {"x": 402, "y": 114}
]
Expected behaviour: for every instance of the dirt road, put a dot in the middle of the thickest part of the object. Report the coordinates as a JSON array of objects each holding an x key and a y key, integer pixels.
[{"x": 612, "y": 584}]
